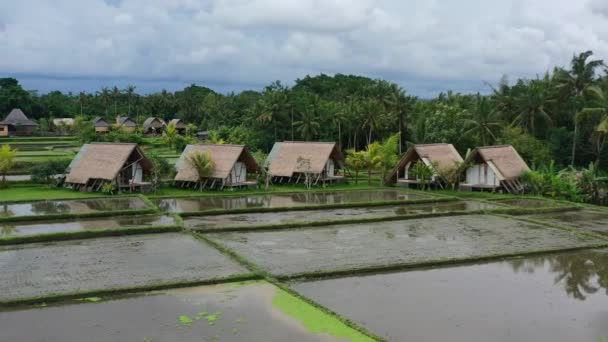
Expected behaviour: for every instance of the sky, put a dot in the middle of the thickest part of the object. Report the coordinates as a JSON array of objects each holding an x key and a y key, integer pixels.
[{"x": 232, "y": 45}]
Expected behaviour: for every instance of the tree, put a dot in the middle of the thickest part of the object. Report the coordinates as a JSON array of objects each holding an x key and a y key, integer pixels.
[
  {"x": 370, "y": 109},
  {"x": 596, "y": 111},
  {"x": 308, "y": 126},
  {"x": 202, "y": 164},
  {"x": 530, "y": 107},
  {"x": 130, "y": 91},
  {"x": 483, "y": 123},
  {"x": 170, "y": 135},
  {"x": 160, "y": 168},
  {"x": 355, "y": 160},
  {"x": 386, "y": 154},
  {"x": 303, "y": 166},
  {"x": 7, "y": 161},
  {"x": 423, "y": 173}
]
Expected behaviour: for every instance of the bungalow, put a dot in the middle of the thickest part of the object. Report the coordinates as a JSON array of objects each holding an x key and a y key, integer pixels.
[
  {"x": 290, "y": 161},
  {"x": 101, "y": 125},
  {"x": 126, "y": 124},
  {"x": 232, "y": 163},
  {"x": 493, "y": 168},
  {"x": 179, "y": 125},
  {"x": 434, "y": 156},
  {"x": 96, "y": 164},
  {"x": 16, "y": 123},
  {"x": 154, "y": 125}
]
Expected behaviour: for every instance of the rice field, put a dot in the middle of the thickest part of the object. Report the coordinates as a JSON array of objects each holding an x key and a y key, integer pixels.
[{"x": 394, "y": 265}]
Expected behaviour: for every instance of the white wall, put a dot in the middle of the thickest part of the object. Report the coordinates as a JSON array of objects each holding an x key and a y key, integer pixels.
[
  {"x": 137, "y": 173},
  {"x": 239, "y": 172},
  {"x": 481, "y": 174},
  {"x": 330, "y": 168}
]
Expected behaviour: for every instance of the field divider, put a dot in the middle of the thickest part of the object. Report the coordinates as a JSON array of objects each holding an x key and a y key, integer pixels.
[
  {"x": 264, "y": 275},
  {"x": 78, "y": 216},
  {"x": 347, "y": 272},
  {"x": 212, "y": 212},
  {"x": 125, "y": 290},
  {"x": 88, "y": 234},
  {"x": 279, "y": 191},
  {"x": 567, "y": 228},
  {"x": 85, "y": 197}
]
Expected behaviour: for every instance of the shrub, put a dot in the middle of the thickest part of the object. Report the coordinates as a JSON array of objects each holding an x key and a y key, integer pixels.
[{"x": 45, "y": 172}]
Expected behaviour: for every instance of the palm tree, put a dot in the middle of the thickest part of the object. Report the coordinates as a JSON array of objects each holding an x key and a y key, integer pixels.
[
  {"x": 7, "y": 161},
  {"x": 115, "y": 96},
  {"x": 356, "y": 161},
  {"x": 574, "y": 82},
  {"x": 170, "y": 135},
  {"x": 308, "y": 126},
  {"x": 530, "y": 106},
  {"x": 401, "y": 105},
  {"x": 129, "y": 90},
  {"x": 271, "y": 107},
  {"x": 340, "y": 116},
  {"x": 105, "y": 98},
  {"x": 203, "y": 164},
  {"x": 597, "y": 111},
  {"x": 371, "y": 111},
  {"x": 82, "y": 96},
  {"x": 483, "y": 123}
]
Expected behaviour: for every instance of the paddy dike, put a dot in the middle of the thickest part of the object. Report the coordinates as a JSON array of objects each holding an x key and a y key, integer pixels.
[
  {"x": 558, "y": 297},
  {"x": 252, "y": 220},
  {"x": 195, "y": 204},
  {"x": 249, "y": 312},
  {"x": 340, "y": 248},
  {"x": 14, "y": 229},
  {"x": 530, "y": 203},
  {"x": 103, "y": 264},
  {"x": 83, "y": 206},
  {"x": 595, "y": 221}
]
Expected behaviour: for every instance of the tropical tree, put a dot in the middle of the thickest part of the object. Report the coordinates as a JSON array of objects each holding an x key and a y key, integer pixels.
[
  {"x": 106, "y": 97},
  {"x": 596, "y": 110},
  {"x": 355, "y": 161},
  {"x": 386, "y": 154},
  {"x": 7, "y": 161},
  {"x": 371, "y": 115},
  {"x": 530, "y": 107},
  {"x": 170, "y": 135},
  {"x": 202, "y": 164},
  {"x": 308, "y": 126},
  {"x": 130, "y": 91},
  {"x": 483, "y": 123}
]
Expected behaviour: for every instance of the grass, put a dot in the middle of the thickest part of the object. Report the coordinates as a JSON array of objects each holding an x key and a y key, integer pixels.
[{"x": 78, "y": 216}]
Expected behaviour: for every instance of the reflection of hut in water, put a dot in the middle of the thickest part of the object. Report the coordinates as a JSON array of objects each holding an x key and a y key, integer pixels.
[
  {"x": 231, "y": 163},
  {"x": 121, "y": 164},
  {"x": 321, "y": 161}
]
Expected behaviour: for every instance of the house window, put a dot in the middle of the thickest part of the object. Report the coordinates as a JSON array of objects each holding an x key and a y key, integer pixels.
[{"x": 1, "y": 129}]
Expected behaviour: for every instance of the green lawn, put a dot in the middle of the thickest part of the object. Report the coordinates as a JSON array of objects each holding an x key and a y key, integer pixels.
[{"x": 41, "y": 192}]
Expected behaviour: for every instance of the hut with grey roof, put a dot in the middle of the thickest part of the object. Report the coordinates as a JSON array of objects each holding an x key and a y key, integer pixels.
[
  {"x": 494, "y": 168},
  {"x": 101, "y": 125},
  {"x": 16, "y": 123},
  {"x": 180, "y": 125},
  {"x": 121, "y": 164},
  {"x": 232, "y": 164},
  {"x": 154, "y": 125},
  {"x": 292, "y": 161},
  {"x": 126, "y": 124},
  {"x": 433, "y": 156}
]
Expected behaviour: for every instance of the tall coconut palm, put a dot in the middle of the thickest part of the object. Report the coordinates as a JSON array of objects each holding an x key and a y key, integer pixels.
[
  {"x": 483, "y": 123},
  {"x": 105, "y": 98},
  {"x": 308, "y": 126},
  {"x": 130, "y": 91},
  {"x": 574, "y": 82},
  {"x": 115, "y": 94},
  {"x": 596, "y": 109},
  {"x": 371, "y": 112},
  {"x": 530, "y": 106}
]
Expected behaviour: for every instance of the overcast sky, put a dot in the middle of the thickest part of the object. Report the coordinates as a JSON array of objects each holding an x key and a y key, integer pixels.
[{"x": 425, "y": 46}]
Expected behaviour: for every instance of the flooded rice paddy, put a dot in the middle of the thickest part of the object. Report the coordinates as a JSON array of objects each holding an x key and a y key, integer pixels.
[
  {"x": 530, "y": 203},
  {"x": 285, "y": 200},
  {"x": 560, "y": 298},
  {"x": 259, "y": 219},
  {"x": 339, "y": 247},
  {"x": 207, "y": 313},
  {"x": 81, "y": 206},
  {"x": 42, "y": 269},
  {"x": 11, "y": 229},
  {"x": 595, "y": 221}
]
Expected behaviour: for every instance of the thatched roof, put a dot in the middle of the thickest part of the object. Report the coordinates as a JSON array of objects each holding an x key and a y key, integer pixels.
[
  {"x": 103, "y": 161},
  {"x": 283, "y": 159},
  {"x": 179, "y": 123},
  {"x": 224, "y": 157},
  {"x": 504, "y": 160},
  {"x": 125, "y": 121},
  {"x": 153, "y": 122},
  {"x": 100, "y": 122},
  {"x": 17, "y": 118},
  {"x": 441, "y": 155}
]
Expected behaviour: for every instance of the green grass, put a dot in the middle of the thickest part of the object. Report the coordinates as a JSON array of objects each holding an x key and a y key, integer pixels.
[{"x": 33, "y": 192}]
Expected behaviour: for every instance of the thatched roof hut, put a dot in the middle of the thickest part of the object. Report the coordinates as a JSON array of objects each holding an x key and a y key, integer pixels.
[
  {"x": 435, "y": 156},
  {"x": 122, "y": 164},
  {"x": 126, "y": 123},
  {"x": 493, "y": 167},
  {"x": 180, "y": 125},
  {"x": 17, "y": 123},
  {"x": 153, "y": 125},
  {"x": 101, "y": 125},
  {"x": 232, "y": 164},
  {"x": 323, "y": 158}
]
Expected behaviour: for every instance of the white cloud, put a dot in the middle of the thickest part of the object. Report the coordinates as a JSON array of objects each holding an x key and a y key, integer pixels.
[{"x": 426, "y": 46}]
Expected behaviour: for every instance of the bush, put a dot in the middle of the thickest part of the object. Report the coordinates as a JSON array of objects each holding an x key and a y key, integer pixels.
[
  {"x": 531, "y": 149},
  {"x": 45, "y": 172}
]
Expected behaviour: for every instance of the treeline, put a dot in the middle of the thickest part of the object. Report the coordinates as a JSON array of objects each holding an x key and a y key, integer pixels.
[{"x": 560, "y": 116}]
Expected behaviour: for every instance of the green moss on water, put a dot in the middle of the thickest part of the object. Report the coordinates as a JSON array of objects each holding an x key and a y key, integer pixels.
[
  {"x": 315, "y": 320},
  {"x": 92, "y": 299},
  {"x": 185, "y": 320}
]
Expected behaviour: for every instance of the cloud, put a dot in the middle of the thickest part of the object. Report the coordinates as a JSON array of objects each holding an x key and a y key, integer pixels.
[{"x": 425, "y": 46}]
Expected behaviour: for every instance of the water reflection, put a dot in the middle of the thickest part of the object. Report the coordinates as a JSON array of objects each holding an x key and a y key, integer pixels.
[
  {"x": 581, "y": 273},
  {"x": 71, "y": 206},
  {"x": 284, "y": 200}
]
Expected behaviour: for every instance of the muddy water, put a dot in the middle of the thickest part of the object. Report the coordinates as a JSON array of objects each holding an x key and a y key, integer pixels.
[
  {"x": 584, "y": 219},
  {"x": 289, "y": 252},
  {"x": 285, "y": 200},
  {"x": 559, "y": 298},
  {"x": 71, "y": 206},
  {"x": 116, "y": 262},
  {"x": 246, "y": 313},
  {"x": 529, "y": 203},
  {"x": 11, "y": 229},
  {"x": 253, "y": 219}
]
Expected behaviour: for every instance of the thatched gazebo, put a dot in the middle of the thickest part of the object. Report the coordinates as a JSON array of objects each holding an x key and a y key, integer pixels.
[
  {"x": 153, "y": 125},
  {"x": 17, "y": 123},
  {"x": 494, "y": 168}
]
